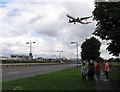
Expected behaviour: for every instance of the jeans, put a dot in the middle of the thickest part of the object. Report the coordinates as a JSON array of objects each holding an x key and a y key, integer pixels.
[
  {"x": 98, "y": 76},
  {"x": 83, "y": 77},
  {"x": 91, "y": 78},
  {"x": 106, "y": 74}
]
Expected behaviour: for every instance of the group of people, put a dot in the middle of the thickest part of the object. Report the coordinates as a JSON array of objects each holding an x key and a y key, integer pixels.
[{"x": 92, "y": 70}]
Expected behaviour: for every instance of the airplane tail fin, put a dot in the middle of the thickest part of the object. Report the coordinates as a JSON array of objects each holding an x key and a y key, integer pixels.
[
  {"x": 86, "y": 20},
  {"x": 77, "y": 18}
]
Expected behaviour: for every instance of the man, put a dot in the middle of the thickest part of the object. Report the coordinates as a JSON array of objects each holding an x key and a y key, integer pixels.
[
  {"x": 91, "y": 72},
  {"x": 106, "y": 70},
  {"x": 98, "y": 70}
]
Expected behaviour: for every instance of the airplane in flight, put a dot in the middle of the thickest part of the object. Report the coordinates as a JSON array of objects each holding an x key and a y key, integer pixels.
[{"x": 79, "y": 20}]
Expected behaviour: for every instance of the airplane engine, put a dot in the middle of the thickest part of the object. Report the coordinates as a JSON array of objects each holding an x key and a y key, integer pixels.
[
  {"x": 70, "y": 21},
  {"x": 78, "y": 19}
]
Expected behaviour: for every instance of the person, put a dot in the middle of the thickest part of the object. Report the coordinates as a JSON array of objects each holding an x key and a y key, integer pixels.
[
  {"x": 83, "y": 69},
  {"x": 98, "y": 70},
  {"x": 88, "y": 64},
  {"x": 91, "y": 72},
  {"x": 106, "y": 70}
]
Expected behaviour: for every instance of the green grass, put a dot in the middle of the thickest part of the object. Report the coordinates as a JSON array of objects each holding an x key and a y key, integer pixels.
[
  {"x": 115, "y": 76},
  {"x": 115, "y": 63},
  {"x": 67, "y": 79}
]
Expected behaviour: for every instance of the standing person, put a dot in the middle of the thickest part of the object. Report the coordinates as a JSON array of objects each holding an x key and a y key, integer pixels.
[
  {"x": 91, "y": 72},
  {"x": 83, "y": 69},
  {"x": 98, "y": 70},
  {"x": 88, "y": 64},
  {"x": 106, "y": 70}
]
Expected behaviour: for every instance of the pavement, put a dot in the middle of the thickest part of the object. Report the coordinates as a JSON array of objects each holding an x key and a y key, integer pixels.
[{"x": 104, "y": 86}]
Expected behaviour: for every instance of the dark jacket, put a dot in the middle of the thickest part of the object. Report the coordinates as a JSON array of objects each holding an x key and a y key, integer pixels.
[{"x": 91, "y": 70}]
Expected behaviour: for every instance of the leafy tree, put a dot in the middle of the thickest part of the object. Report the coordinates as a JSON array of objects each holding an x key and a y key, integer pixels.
[
  {"x": 90, "y": 49},
  {"x": 107, "y": 15}
]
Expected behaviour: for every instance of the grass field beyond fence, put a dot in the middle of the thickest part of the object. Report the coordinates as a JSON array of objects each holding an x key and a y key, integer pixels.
[
  {"x": 67, "y": 79},
  {"x": 115, "y": 75}
]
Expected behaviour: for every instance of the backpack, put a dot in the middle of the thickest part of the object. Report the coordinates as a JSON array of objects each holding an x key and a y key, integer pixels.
[{"x": 84, "y": 70}]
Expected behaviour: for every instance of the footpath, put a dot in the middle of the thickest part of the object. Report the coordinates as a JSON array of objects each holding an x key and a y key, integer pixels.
[{"x": 104, "y": 86}]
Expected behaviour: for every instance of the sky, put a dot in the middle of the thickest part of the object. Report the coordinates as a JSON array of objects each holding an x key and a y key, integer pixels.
[{"x": 45, "y": 22}]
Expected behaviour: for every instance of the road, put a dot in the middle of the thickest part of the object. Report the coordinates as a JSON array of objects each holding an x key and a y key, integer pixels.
[{"x": 22, "y": 72}]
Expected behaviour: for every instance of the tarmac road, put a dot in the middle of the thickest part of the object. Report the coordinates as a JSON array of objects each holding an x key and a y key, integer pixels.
[{"x": 22, "y": 72}]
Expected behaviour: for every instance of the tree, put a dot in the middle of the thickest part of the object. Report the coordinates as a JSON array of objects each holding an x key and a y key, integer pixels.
[
  {"x": 107, "y": 15},
  {"x": 90, "y": 49}
]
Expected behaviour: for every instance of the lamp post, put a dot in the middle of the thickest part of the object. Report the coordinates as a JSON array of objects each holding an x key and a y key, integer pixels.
[
  {"x": 30, "y": 54},
  {"x": 59, "y": 53},
  {"x": 119, "y": 56},
  {"x": 76, "y": 50}
]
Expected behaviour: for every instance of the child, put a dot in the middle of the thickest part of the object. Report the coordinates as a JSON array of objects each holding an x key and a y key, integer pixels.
[{"x": 83, "y": 69}]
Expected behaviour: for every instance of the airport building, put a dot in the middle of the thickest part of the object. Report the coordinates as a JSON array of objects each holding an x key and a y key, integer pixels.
[
  {"x": 5, "y": 57},
  {"x": 19, "y": 57}
]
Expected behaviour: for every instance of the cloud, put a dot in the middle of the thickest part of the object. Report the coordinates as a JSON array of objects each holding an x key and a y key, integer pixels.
[
  {"x": 14, "y": 12},
  {"x": 46, "y": 24}
]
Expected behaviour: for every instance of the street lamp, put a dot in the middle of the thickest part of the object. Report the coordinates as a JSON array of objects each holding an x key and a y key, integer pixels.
[
  {"x": 30, "y": 54},
  {"x": 76, "y": 50},
  {"x": 59, "y": 53}
]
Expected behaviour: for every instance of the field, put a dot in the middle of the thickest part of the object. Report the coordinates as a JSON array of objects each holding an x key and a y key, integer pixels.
[
  {"x": 67, "y": 79},
  {"x": 115, "y": 74}
]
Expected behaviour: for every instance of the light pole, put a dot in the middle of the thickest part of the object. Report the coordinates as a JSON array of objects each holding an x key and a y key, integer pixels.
[
  {"x": 76, "y": 50},
  {"x": 59, "y": 53},
  {"x": 30, "y": 54}
]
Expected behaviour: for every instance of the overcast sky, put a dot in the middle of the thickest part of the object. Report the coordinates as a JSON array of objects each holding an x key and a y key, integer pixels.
[{"x": 45, "y": 22}]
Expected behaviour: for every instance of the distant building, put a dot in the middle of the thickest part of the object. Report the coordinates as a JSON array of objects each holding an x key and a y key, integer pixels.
[
  {"x": 42, "y": 59},
  {"x": 5, "y": 57},
  {"x": 19, "y": 57}
]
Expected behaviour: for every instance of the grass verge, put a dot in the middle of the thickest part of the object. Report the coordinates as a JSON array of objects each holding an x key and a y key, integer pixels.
[
  {"x": 115, "y": 75},
  {"x": 67, "y": 79}
]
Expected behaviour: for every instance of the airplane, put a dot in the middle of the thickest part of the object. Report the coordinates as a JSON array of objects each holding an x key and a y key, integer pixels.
[{"x": 79, "y": 20}]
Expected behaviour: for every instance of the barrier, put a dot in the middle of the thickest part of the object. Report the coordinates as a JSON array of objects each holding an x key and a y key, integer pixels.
[{"x": 28, "y": 64}]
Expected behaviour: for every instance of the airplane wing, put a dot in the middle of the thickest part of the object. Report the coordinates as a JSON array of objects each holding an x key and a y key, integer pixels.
[
  {"x": 85, "y": 17},
  {"x": 71, "y": 17}
]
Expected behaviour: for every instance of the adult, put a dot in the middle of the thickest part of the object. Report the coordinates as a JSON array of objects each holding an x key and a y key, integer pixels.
[
  {"x": 106, "y": 70},
  {"x": 98, "y": 70},
  {"x": 91, "y": 72}
]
